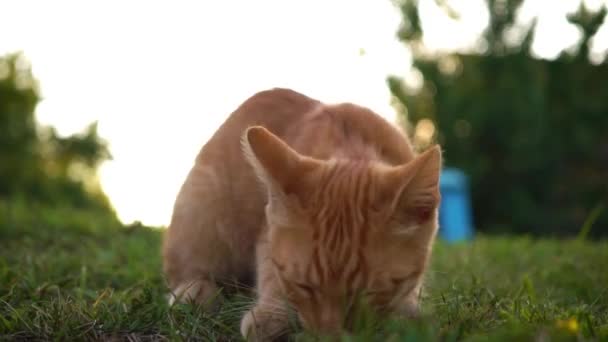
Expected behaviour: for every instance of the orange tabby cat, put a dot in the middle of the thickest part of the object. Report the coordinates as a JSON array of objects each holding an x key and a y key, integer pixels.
[{"x": 321, "y": 203}]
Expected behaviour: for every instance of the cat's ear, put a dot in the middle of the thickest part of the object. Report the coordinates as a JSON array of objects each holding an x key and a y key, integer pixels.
[
  {"x": 277, "y": 165},
  {"x": 413, "y": 188}
]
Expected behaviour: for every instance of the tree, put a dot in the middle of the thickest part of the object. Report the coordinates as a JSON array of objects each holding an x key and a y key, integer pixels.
[
  {"x": 530, "y": 133},
  {"x": 35, "y": 162}
]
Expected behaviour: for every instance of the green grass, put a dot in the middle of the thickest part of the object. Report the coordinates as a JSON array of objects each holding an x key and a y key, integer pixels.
[{"x": 72, "y": 275}]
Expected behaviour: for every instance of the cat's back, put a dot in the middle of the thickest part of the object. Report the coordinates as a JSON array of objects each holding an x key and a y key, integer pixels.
[
  {"x": 276, "y": 109},
  {"x": 348, "y": 131},
  {"x": 307, "y": 125}
]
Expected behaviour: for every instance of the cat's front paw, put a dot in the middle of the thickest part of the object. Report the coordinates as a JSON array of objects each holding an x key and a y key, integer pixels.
[
  {"x": 261, "y": 325},
  {"x": 202, "y": 292}
]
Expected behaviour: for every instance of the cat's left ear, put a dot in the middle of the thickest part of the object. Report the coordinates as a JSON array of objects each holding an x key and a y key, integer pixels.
[
  {"x": 413, "y": 188},
  {"x": 278, "y": 166}
]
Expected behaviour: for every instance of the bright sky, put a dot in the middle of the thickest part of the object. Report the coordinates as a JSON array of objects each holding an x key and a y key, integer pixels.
[{"x": 161, "y": 76}]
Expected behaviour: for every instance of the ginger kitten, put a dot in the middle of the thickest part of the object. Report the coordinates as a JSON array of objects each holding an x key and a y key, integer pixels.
[{"x": 319, "y": 203}]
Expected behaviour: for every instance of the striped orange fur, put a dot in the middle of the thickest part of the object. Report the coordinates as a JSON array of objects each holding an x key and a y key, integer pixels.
[{"x": 321, "y": 203}]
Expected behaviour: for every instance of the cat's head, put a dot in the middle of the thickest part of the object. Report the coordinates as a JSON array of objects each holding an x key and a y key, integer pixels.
[{"x": 340, "y": 231}]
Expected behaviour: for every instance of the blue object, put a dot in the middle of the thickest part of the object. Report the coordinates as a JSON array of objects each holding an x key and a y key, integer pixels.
[{"x": 455, "y": 216}]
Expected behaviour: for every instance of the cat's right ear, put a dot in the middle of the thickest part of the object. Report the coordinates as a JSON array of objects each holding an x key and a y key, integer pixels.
[
  {"x": 277, "y": 165},
  {"x": 413, "y": 187}
]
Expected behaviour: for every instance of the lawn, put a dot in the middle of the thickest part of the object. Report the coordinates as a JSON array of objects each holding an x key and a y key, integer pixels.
[{"x": 72, "y": 275}]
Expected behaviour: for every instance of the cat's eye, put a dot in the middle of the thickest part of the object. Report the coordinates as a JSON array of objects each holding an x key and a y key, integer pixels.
[
  {"x": 405, "y": 284},
  {"x": 302, "y": 289},
  {"x": 305, "y": 288},
  {"x": 398, "y": 281},
  {"x": 395, "y": 282},
  {"x": 277, "y": 265}
]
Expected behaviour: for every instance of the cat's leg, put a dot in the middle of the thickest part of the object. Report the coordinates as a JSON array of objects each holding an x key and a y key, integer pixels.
[
  {"x": 200, "y": 291},
  {"x": 192, "y": 264},
  {"x": 194, "y": 254},
  {"x": 269, "y": 318}
]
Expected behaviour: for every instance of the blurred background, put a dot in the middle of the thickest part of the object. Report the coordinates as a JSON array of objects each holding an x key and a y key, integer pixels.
[{"x": 104, "y": 105}]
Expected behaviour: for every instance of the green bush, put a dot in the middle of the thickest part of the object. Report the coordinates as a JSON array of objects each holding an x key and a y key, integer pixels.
[
  {"x": 36, "y": 163},
  {"x": 530, "y": 133}
]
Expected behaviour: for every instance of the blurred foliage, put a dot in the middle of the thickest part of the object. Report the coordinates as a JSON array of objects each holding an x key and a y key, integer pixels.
[
  {"x": 36, "y": 164},
  {"x": 530, "y": 133}
]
